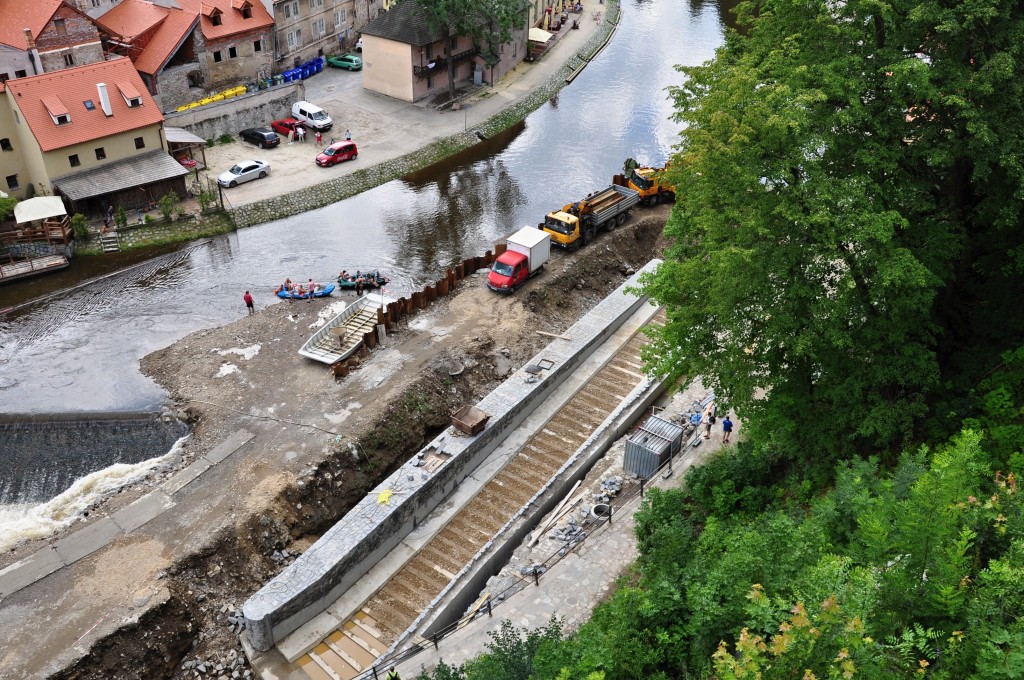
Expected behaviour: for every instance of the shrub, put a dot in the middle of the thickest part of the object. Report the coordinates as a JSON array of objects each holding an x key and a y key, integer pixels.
[
  {"x": 168, "y": 204},
  {"x": 79, "y": 226},
  {"x": 226, "y": 138}
]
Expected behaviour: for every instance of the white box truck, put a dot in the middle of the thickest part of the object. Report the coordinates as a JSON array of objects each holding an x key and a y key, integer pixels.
[{"x": 528, "y": 250}]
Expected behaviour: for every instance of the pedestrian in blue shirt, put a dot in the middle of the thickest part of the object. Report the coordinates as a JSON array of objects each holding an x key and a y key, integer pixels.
[{"x": 726, "y": 429}]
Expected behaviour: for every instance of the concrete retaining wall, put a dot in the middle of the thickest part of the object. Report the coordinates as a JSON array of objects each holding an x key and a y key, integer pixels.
[
  {"x": 253, "y": 109},
  {"x": 388, "y": 513}
]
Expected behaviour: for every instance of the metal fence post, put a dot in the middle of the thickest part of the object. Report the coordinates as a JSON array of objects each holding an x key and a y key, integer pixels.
[
  {"x": 609, "y": 513},
  {"x": 489, "y": 607},
  {"x": 536, "y": 576},
  {"x": 374, "y": 669},
  {"x": 641, "y": 487},
  {"x": 433, "y": 638}
]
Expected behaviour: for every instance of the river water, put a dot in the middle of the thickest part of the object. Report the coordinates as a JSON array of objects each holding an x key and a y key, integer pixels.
[{"x": 80, "y": 351}]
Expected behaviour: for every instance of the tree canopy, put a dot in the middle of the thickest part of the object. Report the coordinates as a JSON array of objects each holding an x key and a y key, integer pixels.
[{"x": 849, "y": 213}]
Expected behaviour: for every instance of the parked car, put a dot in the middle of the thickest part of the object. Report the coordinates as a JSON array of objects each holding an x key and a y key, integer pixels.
[
  {"x": 285, "y": 125},
  {"x": 312, "y": 116},
  {"x": 349, "y": 61},
  {"x": 262, "y": 137},
  {"x": 243, "y": 171},
  {"x": 336, "y": 153}
]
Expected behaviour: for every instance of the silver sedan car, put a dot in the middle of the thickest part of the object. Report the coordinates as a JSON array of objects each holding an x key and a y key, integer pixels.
[{"x": 243, "y": 171}]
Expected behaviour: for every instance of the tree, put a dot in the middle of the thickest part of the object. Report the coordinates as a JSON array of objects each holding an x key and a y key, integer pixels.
[
  {"x": 830, "y": 193},
  {"x": 488, "y": 22},
  {"x": 7, "y": 204}
]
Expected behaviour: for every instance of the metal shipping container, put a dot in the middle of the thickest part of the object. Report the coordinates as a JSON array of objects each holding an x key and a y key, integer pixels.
[{"x": 651, "y": 445}]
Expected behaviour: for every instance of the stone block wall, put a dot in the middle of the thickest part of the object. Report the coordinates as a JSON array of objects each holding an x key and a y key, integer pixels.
[
  {"x": 252, "y": 109},
  {"x": 372, "y": 528}
]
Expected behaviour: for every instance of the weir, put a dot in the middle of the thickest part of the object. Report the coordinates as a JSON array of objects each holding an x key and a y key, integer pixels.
[{"x": 40, "y": 457}]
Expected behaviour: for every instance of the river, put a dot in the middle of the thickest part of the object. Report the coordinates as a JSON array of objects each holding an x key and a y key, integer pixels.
[{"x": 80, "y": 351}]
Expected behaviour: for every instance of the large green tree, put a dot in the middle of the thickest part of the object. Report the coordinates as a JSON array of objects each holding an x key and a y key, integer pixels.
[{"x": 850, "y": 177}]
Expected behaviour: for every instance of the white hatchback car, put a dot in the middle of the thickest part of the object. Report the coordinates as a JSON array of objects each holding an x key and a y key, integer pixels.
[{"x": 243, "y": 171}]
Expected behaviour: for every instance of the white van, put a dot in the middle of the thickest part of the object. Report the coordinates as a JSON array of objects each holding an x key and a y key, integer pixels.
[{"x": 312, "y": 116}]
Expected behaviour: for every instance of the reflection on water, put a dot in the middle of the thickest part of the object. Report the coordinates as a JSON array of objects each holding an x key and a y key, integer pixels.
[{"x": 80, "y": 351}]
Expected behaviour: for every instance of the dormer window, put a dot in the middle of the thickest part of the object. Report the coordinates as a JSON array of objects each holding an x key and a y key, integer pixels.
[
  {"x": 215, "y": 19},
  {"x": 131, "y": 96},
  {"x": 247, "y": 12},
  {"x": 55, "y": 107}
]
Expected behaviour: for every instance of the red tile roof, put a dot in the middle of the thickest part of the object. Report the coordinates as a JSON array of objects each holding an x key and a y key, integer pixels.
[
  {"x": 172, "y": 33},
  {"x": 72, "y": 87},
  {"x": 17, "y": 15},
  {"x": 232, "y": 21},
  {"x": 131, "y": 18},
  {"x": 134, "y": 17}
]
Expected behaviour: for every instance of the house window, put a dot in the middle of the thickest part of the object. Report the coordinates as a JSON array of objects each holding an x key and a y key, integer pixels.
[
  {"x": 318, "y": 27},
  {"x": 62, "y": 119},
  {"x": 133, "y": 102},
  {"x": 257, "y": 46},
  {"x": 340, "y": 18},
  {"x": 314, "y": 4},
  {"x": 295, "y": 8},
  {"x": 100, "y": 154},
  {"x": 5, "y": 144},
  {"x": 140, "y": 143},
  {"x": 216, "y": 56},
  {"x": 4, "y": 77},
  {"x": 215, "y": 19},
  {"x": 89, "y": 106},
  {"x": 247, "y": 12},
  {"x": 232, "y": 53},
  {"x": 295, "y": 38},
  {"x": 69, "y": 59},
  {"x": 20, "y": 73},
  {"x": 12, "y": 182},
  {"x": 96, "y": 3},
  {"x": 73, "y": 159},
  {"x": 287, "y": 11},
  {"x": 58, "y": 25}
]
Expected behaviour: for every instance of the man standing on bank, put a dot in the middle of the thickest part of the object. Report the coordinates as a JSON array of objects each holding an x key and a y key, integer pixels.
[
  {"x": 726, "y": 429},
  {"x": 248, "y": 303}
]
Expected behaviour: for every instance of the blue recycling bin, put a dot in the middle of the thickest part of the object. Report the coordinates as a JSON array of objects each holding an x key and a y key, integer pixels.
[
  {"x": 286, "y": 76},
  {"x": 318, "y": 64},
  {"x": 306, "y": 72}
]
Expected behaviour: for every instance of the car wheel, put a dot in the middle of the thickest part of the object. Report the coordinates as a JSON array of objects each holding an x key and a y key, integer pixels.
[
  {"x": 621, "y": 219},
  {"x": 232, "y": 184},
  {"x": 355, "y": 156},
  {"x": 263, "y": 174},
  {"x": 653, "y": 200},
  {"x": 511, "y": 290},
  {"x": 262, "y": 145}
]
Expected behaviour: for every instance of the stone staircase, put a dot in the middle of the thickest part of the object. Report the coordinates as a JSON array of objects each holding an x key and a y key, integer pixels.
[{"x": 110, "y": 243}]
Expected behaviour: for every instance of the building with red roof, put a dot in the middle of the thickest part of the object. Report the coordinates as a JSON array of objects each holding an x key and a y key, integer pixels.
[
  {"x": 237, "y": 40},
  {"x": 163, "y": 42},
  {"x": 42, "y": 36},
  {"x": 92, "y": 134}
]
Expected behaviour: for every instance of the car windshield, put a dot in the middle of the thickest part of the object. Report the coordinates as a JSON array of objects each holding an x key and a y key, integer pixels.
[
  {"x": 237, "y": 170},
  {"x": 318, "y": 115},
  {"x": 502, "y": 269}
]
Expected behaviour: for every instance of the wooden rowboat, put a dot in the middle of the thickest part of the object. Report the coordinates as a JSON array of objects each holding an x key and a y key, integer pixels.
[{"x": 340, "y": 337}]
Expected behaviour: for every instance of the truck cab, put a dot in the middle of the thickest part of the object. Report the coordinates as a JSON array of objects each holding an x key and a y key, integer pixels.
[
  {"x": 563, "y": 227},
  {"x": 648, "y": 182},
  {"x": 508, "y": 272}
]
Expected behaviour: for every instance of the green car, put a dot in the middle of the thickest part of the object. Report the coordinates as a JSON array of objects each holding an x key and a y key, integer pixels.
[{"x": 349, "y": 61}]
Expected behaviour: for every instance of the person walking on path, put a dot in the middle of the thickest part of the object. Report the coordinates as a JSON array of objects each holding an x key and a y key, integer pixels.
[
  {"x": 726, "y": 429},
  {"x": 311, "y": 286},
  {"x": 348, "y": 136},
  {"x": 392, "y": 675},
  {"x": 709, "y": 419},
  {"x": 319, "y": 138},
  {"x": 248, "y": 303}
]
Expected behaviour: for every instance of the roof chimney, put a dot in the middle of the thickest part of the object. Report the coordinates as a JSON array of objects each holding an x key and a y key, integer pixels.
[
  {"x": 29, "y": 39},
  {"x": 104, "y": 99}
]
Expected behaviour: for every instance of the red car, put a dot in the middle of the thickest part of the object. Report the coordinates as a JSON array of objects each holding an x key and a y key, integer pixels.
[
  {"x": 336, "y": 153},
  {"x": 285, "y": 125}
]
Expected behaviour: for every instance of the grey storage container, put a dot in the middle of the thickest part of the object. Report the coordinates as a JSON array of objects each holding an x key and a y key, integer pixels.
[{"x": 651, "y": 445}]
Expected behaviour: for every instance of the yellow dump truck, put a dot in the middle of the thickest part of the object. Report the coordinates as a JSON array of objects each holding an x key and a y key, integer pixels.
[
  {"x": 646, "y": 181},
  {"x": 577, "y": 223}
]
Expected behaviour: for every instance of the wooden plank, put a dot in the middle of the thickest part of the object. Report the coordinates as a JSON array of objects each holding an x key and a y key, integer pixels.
[
  {"x": 554, "y": 335},
  {"x": 536, "y": 537}
]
